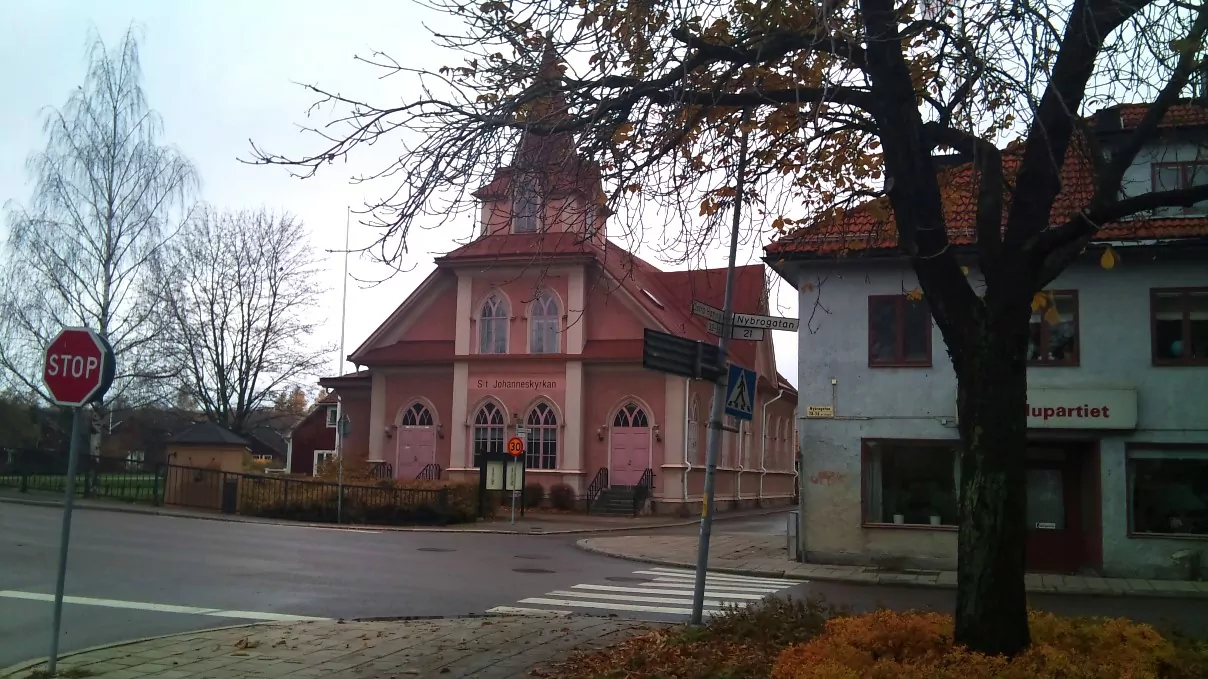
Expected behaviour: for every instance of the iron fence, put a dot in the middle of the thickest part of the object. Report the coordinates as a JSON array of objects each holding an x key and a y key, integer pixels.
[{"x": 96, "y": 475}]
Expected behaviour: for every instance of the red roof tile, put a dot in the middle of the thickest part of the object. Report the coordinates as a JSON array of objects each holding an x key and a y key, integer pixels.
[
  {"x": 409, "y": 351},
  {"x": 523, "y": 246},
  {"x": 1183, "y": 114},
  {"x": 870, "y": 227}
]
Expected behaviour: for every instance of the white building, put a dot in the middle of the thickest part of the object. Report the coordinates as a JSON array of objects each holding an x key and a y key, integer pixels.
[{"x": 1117, "y": 465}]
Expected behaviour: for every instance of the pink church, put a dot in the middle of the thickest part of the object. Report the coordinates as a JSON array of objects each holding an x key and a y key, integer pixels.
[{"x": 537, "y": 324}]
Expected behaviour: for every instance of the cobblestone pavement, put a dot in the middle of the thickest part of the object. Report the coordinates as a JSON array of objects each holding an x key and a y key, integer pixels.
[
  {"x": 503, "y": 647},
  {"x": 766, "y": 556}
]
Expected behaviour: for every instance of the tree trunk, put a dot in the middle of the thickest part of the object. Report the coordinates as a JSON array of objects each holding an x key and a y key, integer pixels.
[{"x": 991, "y": 603}]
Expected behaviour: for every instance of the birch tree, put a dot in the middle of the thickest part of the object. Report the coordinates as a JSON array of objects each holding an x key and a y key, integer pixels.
[{"x": 107, "y": 195}]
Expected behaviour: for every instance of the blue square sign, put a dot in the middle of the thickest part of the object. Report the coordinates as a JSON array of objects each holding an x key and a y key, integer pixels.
[{"x": 740, "y": 393}]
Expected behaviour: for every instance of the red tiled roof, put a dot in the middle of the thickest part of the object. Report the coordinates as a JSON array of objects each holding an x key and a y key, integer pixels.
[
  {"x": 870, "y": 227},
  {"x": 1184, "y": 114},
  {"x": 525, "y": 246},
  {"x": 409, "y": 351}
]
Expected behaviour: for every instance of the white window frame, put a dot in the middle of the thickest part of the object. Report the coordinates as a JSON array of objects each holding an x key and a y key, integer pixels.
[
  {"x": 545, "y": 332},
  {"x": 324, "y": 454},
  {"x": 331, "y": 417}
]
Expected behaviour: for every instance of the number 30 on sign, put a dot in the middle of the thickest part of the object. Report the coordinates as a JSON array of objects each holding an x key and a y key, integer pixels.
[{"x": 515, "y": 446}]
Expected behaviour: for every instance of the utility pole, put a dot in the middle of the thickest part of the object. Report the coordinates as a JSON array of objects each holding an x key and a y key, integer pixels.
[
  {"x": 340, "y": 371},
  {"x": 719, "y": 388}
]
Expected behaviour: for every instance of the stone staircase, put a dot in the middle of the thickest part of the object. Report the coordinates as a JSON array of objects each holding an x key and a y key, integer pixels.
[{"x": 615, "y": 501}]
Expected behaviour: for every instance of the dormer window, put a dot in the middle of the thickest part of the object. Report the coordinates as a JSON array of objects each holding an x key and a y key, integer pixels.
[{"x": 525, "y": 207}]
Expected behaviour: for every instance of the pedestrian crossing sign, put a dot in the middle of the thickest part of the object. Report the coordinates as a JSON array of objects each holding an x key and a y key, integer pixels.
[{"x": 740, "y": 393}]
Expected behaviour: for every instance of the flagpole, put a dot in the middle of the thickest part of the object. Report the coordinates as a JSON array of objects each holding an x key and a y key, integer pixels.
[{"x": 340, "y": 371}]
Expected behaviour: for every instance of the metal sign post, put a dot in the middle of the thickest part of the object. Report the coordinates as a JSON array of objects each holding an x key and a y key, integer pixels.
[
  {"x": 78, "y": 369},
  {"x": 515, "y": 472},
  {"x": 719, "y": 391}
]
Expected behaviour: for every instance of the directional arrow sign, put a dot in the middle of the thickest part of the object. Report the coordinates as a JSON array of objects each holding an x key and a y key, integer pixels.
[
  {"x": 750, "y": 334},
  {"x": 766, "y": 322}
]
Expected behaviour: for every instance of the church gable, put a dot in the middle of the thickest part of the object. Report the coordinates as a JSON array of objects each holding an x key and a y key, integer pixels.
[{"x": 429, "y": 314}]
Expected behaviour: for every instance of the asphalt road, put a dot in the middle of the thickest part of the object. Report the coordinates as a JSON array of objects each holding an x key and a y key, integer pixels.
[
  {"x": 140, "y": 575},
  {"x": 157, "y": 562}
]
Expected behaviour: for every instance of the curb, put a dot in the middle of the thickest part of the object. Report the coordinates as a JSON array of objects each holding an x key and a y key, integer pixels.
[
  {"x": 355, "y": 528},
  {"x": 768, "y": 573},
  {"x": 12, "y": 671}
]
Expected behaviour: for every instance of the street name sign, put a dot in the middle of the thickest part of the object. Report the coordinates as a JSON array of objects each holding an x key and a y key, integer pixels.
[
  {"x": 748, "y": 334},
  {"x": 740, "y": 393},
  {"x": 745, "y": 320},
  {"x": 766, "y": 322},
  {"x": 78, "y": 368}
]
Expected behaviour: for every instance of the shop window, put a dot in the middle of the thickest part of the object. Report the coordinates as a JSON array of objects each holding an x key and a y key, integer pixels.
[
  {"x": 544, "y": 319},
  {"x": 899, "y": 331},
  {"x": 493, "y": 326},
  {"x": 1180, "y": 326},
  {"x": 1054, "y": 329},
  {"x": 911, "y": 482},
  {"x": 542, "y": 450},
  {"x": 1168, "y": 491},
  {"x": 488, "y": 432}
]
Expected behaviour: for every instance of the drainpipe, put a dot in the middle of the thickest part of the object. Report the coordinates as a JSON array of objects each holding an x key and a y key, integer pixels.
[
  {"x": 687, "y": 424},
  {"x": 289, "y": 455},
  {"x": 763, "y": 444}
]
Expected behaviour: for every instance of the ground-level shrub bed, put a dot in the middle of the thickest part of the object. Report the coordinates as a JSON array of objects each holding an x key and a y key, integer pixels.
[{"x": 810, "y": 640}]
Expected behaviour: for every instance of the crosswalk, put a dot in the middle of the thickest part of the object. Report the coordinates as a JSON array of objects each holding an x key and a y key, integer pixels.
[{"x": 661, "y": 591}]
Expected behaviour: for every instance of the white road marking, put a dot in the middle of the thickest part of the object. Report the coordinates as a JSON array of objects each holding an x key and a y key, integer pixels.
[
  {"x": 159, "y": 608},
  {"x": 686, "y": 593},
  {"x": 665, "y": 591}
]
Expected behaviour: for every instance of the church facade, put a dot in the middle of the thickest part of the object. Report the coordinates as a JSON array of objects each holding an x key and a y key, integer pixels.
[{"x": 536, "y": 326}]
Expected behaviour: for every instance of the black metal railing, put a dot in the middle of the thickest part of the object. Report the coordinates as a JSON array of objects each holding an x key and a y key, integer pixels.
[
  {"x": 381, "y": 470},
  {"x": 96, "y": 475},
  {"x": 641, "y": 492},
  {"x": 597, "y": 486},
  {"x": 430, "y": 472}
]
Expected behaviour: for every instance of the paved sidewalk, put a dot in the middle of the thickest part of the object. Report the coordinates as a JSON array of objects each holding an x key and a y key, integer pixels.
[
  {"x": 764, "y": 556},
  {"x": 482, "y": 648},
  {"x": 536, "y": 523}
]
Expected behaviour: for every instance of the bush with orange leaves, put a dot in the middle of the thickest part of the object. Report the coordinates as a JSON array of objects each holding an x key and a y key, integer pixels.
[{"x": 891, "y": 645}]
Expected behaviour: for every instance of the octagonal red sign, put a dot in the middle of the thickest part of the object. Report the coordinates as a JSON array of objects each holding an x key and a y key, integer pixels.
[{"x": 79, "y": 367}]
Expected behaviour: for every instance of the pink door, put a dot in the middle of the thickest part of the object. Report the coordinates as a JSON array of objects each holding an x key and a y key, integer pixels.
[
  {"x": 415, "y": 447},
  {"x": 630, "y": 447}
]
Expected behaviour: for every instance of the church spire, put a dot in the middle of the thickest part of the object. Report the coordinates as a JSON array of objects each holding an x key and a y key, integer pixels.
[{"x": 550, "y": 152}]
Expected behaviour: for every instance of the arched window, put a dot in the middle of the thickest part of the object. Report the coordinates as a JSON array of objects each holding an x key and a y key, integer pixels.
[
  {"x": 493, "y": 326},
  {"x": 488, "y": 432},
  {"x": 694, "y": 448},
  {"x": 544, "y": 319},
  {"x": 542, "y": 450},
  {"x": 417, "y": 415},
  {"x": 631, "y": 415},
  {"x": 525, "y": 206}
]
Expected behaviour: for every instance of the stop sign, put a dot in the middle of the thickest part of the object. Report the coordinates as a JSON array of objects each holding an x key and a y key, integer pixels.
[{"x": 79, "y": 367}]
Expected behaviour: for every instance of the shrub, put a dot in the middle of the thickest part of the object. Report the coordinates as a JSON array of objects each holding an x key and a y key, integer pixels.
[
  {"x": 386, "y": 502},
  {"x": 562, "y": 496},
  {"x": 534, "y": 493},
  {"x": 890, "y": 645}
]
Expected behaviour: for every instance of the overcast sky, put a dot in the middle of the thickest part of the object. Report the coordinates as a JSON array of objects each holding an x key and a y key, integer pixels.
[{"x": 221, "y": 72}]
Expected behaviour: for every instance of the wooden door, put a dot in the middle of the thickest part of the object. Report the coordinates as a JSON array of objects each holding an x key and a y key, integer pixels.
[
  {"x": 630, "y": 446},
  {"x": 1054, "y": 512}
]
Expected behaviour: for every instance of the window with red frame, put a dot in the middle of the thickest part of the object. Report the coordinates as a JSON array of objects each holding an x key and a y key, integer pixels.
[
  {"x": 1054, "y": 329},
  {"x": 899, "y": 331},
  {"x": 1177, "y": 176},
  {"x": 1180, "y": 326}
]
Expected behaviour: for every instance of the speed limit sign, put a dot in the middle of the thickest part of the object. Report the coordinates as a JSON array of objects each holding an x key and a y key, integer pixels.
[{"x": 515, "y": 446}]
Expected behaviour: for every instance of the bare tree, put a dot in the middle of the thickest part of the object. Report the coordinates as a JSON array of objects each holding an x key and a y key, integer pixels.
[
  {"x": 848, "y": 102},
  {"x": 239, "y": 295},
  {"x": 107, "y": 196}
]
